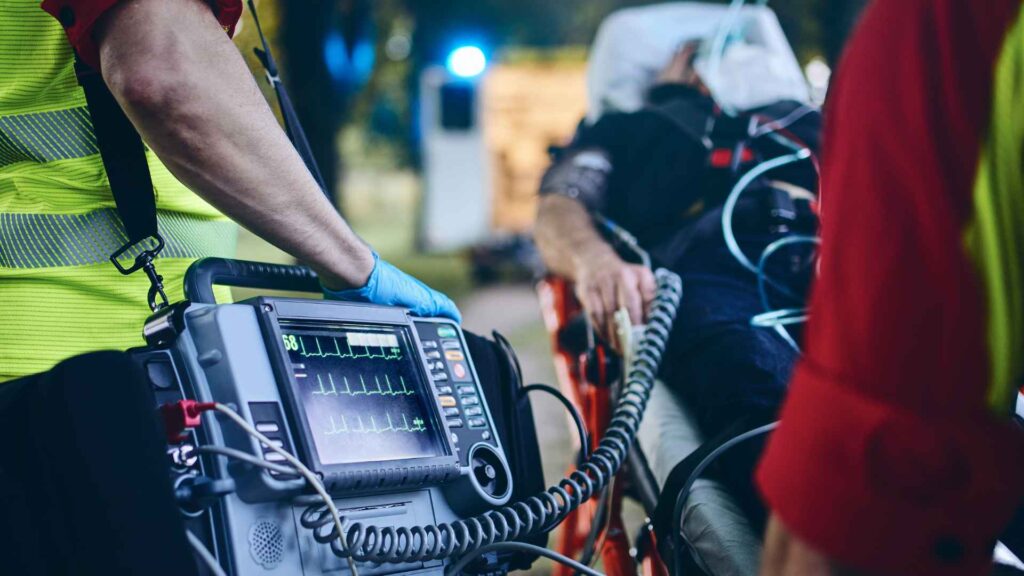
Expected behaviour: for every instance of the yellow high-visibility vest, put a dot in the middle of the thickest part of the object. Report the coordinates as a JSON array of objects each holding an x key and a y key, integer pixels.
[{"x": 59, "y": 294}]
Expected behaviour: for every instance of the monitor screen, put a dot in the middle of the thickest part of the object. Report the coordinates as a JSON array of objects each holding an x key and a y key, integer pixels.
[{"x": 363, "y": 393}]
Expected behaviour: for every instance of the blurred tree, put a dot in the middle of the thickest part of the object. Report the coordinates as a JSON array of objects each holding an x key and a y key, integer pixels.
[
  {"x": 328, "y": 55},
  {"x": 383, "y": 109},
  {"x": 838, "y": 18}
]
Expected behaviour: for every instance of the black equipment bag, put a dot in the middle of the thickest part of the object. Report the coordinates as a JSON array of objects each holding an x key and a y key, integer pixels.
[
  {"x": 501, "y": 380},
  {"x": 84, "y": 482}
]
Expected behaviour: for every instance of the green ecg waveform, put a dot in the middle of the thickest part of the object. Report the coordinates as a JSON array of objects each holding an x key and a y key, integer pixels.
[
  {"x": 385, "y": 354},
  {"x": 387, "y": 388},
  {"x": 343, "y": 425}
]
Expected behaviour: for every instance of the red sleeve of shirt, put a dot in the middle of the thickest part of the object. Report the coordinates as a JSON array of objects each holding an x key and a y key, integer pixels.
[
  {"x": 78, "y": 17},
  {"x": 888, "y": 457}
]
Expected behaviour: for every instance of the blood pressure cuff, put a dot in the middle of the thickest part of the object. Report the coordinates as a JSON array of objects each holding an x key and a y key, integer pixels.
[
  {"x": 79, "y": 17},
  {"x": 582, "y": 175}
]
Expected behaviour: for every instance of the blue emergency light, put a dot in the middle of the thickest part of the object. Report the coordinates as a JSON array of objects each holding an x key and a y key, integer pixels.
[{"x": 466, "y": 61}]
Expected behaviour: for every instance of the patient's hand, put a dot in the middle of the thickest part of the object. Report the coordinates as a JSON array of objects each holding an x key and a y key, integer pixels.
[
  {"x": 605, "y": 283},
  {"x": 680, "y": 70}
]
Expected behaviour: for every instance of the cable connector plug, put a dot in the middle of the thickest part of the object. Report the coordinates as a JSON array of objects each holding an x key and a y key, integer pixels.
[{"x": 182, "y": 415}]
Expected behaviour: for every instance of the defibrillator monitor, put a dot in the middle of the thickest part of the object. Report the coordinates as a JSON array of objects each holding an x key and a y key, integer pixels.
[
  {"x": 375, "y": 397},
  {"x": 384, "y": 408},
  {"x": 362, "y": 392}
]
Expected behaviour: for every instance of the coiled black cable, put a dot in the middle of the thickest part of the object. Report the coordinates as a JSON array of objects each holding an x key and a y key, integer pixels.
[
  {"x": 539, "y": 513},
  {"x": 577, "y": 418}
]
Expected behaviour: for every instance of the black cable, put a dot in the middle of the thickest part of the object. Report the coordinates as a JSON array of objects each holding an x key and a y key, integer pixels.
[
  {"x": 520, "y": 547},
  {"x": 534, "y": 514},
  {"x": 601, "y": 519},
  {"x": 510, "y": 354},
  {"x": 598, "y": 524},
  {"x": 684, "y": 493},
  {"x": 292, "y": 125},
  {"x": 581, "y": 426}
]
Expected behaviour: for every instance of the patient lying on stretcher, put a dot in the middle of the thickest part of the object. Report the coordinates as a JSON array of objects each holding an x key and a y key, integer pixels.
[{"x": 663, "y": 173}]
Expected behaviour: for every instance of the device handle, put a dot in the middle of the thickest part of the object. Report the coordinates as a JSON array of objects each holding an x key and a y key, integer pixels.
[{"x": 203, "y": 274}]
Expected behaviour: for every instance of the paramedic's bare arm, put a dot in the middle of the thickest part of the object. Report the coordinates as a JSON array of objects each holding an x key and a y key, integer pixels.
[
  {"x": 572, "y": 247},
  {"x": 187, "y": 90}
]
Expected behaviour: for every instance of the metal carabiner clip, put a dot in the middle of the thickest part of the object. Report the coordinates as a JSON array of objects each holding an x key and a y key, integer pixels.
[{"x": 144, "y": 261}]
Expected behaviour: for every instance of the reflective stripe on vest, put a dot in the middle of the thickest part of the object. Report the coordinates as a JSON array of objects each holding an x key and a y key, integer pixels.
[
  {"x": 50, "y": 240},
  {"x": 46, "y": 136}
]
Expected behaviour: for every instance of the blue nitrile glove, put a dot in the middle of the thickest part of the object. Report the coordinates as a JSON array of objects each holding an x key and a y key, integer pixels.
[{"x": 389, "y": 286}]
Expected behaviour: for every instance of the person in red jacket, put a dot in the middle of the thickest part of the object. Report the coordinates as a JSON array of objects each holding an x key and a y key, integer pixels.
[{"x": 895, "y": 454}]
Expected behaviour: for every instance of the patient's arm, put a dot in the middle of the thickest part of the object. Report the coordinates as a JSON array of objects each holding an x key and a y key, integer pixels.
[{"x": 572, "y": 247}]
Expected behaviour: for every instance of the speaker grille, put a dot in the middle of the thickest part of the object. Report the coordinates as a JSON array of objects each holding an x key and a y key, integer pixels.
[{"x": 266, "y": 543}]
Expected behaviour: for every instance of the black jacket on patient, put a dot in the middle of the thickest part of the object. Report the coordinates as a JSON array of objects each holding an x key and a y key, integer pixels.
[{"x": 663, "y": 173}]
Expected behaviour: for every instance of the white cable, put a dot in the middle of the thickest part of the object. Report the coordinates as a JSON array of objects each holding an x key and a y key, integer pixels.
[
  {"x": 783, "y": 317},
  {"x": 784, "y": 122},
  {"x": 718, "y": 51},
  {"x": 762, "y": 263},
  {"x": 204, "y": 554},
  {"x": 300, "y": 467},
  {"x": 779, "y": 319},
  {"x": 737, "y": 191}
]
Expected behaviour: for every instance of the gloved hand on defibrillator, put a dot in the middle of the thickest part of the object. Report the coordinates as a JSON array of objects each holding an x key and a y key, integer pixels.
[{"x": 389, "y": 286}]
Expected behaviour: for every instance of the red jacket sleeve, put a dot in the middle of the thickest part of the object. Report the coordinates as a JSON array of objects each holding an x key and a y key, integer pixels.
[
  {"x": 78, "y": 17},
  {"x": 888, "y": 456}
]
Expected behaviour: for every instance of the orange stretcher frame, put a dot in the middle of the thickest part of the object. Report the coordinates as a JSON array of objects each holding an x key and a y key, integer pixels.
[{"x": 593, "y": 400}]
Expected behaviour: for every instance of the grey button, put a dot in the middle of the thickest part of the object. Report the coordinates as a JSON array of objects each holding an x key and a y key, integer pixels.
[
  {"x": 265, "y": 427},
  {"x": 453, "y": 423},
  {"x": 429, "y": 344},
  {"x": 477, "y": 423},
  {"x": 474, "y": 411},
  {"x": 486, "y": 435},
  {"x": 451, "y": 345},
  {"x": 439, "y": 376},
  {"x": 451, "y": 411},
  {"x": 433, "y": 355},
  {"x": 470, "y": 401},
  {"x": 444, "y": 389},
  {"x": 465, "y": 390}
]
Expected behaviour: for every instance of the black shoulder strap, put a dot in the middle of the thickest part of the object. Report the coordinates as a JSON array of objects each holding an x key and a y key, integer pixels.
[{"x": 124, "y": 157}]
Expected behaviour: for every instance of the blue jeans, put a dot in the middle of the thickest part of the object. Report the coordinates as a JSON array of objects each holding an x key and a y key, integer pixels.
[{"x": 723, "y": 368}]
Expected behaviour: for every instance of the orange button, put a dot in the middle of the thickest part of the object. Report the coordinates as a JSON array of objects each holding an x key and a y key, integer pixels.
[
  {"x": 454, "y": 355},
  {"x": 447, "y": 401}
]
